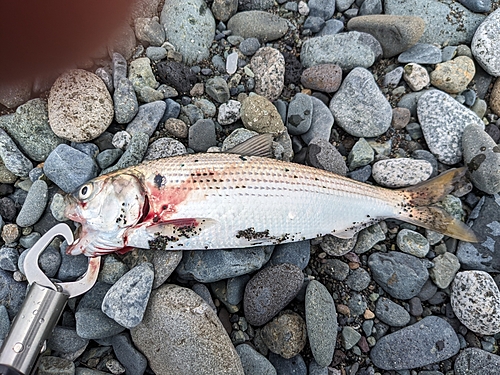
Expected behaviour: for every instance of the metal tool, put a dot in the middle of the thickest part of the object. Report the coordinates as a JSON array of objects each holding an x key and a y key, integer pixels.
[{"x": 41, "y": 308}]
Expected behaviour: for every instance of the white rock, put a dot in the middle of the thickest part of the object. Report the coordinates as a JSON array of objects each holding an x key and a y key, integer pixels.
[
  {"x": 486, "y": 44},
  {"x": 232, "y": 63},
  {"x": 121, "y": 140},
  {"x": 416, "y": 76},
  {"x": 229, "y": 112},
  {"x": 401, "y": 172}
]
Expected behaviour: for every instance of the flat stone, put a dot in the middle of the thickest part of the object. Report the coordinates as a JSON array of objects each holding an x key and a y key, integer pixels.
[
  {"x": 258, "y": 24},
  {"x": 296, "y": 253},
  {"x": 322, "y": 154},
  {"x": 358, "y": 280},
  {"x": 331, "y": 27},
  {"x": 443, "y": 121},
  {"x": 413, "y": 243},
  {"x": 253, "y": 362},
  {"x": 322, "y": 77},
  {"x": 453, "y": 76},
  {"x": 486, "y": 42},
  {"x": 260, "y": 115},
  {"x": 445, "y": 23},
  {"x": 34, "y": 205},
  {"x": 125, "y": 101},
  {"x": 268, "y": 65},
  {"x": 147, "y": 118},
  {"x": 190, "y": 27},
  {"x": 429, "y": 341},
  {"x": 361, "y": 154},
  {"x": 359, "y": 107},
  {"x": 93, "y": 324},
  {"x": 299, "y": 115},
  {"x": 444, "y": 270},
  {"x": 12, "y": 158},
  {"x": 321, "y": 122},
  {"x": 401, "y": 172},
  {"x": 202, "y": 135},
  {"x": 421, "y": 53},
  {"x": 475, "y": 300},
  {"x": 476, "y": 361},
  {"x": 134, "y": 361},
  {"x": 482, "y": 157},
  {"x": 395, "y": 33},
  {"x": 350, "y": 337},
  {"x": 347, "y": 50},
  {"x": 181, "y": 333},
  {"x": 391, "y": 313}
]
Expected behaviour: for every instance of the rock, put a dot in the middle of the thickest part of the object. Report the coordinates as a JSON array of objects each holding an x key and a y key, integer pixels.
[
  {"x": 299, "y": 114},
  {"x": 413, "y": 243},
  {"x": 476, "y": 361},
  {"x": 445, "y": 23},
  {"x": 443, "y": 121},
  {"x": 249, "y": 46},
  {"x": 416, "y": 76},
  {"x": 125, "y": 101},
  {"x": 202, "y": 135},
  {"x": 143, "y": 79},
  {"x": 482, "y": 157},
  {"x": 229, "y": 112},
  {"x": 134, "y": 153},
  {"x": 350, "y": 337},
  {"x": 255, "y": 4},
  {"x": 133, "y": 360},
  {"x": 9, "y": 258},
  {"x": 175, "y": 127},
  {"x": 475, "y": 300},
  {"x": 444, "y": 270},
  {"x": 69, "y": 168},
  {"x": 260, "y": 115},
  {"x": 335, "y": 268},
  {"x": 218, "y": 89},
  {"x": 296, "y": 253},
  {"x": 359, "y": 107},
  {"x": 177, "y": 75},
  {"x": 268, "y": 65},
  {"x": 322, "y": 154},
  {"x": 486, "y": 42},
  {"x": 429, "y": 341},
  {"x": 314, "y": 24},
  {"x": 181, "y": 333},
  {"x": 400, "y": 117},
  {"x": 213, "y": 265},
  {"x": 295, "y": 365},
  {"x": 34, "y": 205},
  {"x": 164, "y": 148},
  {"x": 29, "y": 128},
  {"x": 285, "y": 335},
  {"x": 149, "y": 30},
  {"x": 421, "y": 53},
  {"x": 391, "y": 313},
  {"x": 264, "y": 26},
  {"x": 453, "y": 76},
  {"x": 269, "y": 291},
  {"x": 224, "y": 9},
  {"x": 495, "y": 98},
  {"x": 331, "y": 27},
  {"x": 321, "y": 8},
  {"x": 347, "y": 50},
  {"x": 190, "y": 27},
  {"x": 13, "y": 159},
  {"x": 401, "y": 172},
  {"x": 400, "y": 275},
  {"x": 93, "y": 114},
  {"x": 323, "y": 77},
  {"x": 321, "y": 122},
  {"x": 368, "y": 237},
  {"x": 395, "y": 33},
  {"x": 93, "y": 324},
  {"x": 393, "y": 78},
  {"x": 361, "y": 154},
  {"x": 147, "y": 118},
  {"x": 253, "y": 362},
  {"x": 50, "y": 365},
  {"x": 321, "y": 321},
  {"x": 358, "y": 280},
  {"x": 127, "y": 299},
  {"x": 65, "y": 340},
  {"x": 336, "y": 246}
]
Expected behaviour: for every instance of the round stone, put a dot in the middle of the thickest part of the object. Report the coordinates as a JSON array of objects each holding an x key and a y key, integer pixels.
[
  {"x": 323, "y": 77},
  {"x": 412, "y": 243},
  {"x": 285, "y": 335},
  {"x": 416, "y": 76},
  {"x": 260, "y": 115},
  {"x": 80, "y": 106},
  {"x": 453, "y": 76},
  {"x": 486, "y": 43},
  {"x": 268, "y": 65},
  {"x": 401, "y": 172}
]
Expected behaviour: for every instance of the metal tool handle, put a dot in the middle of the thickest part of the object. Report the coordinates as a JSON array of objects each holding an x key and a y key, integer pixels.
[{"x": 33, "y": 324}]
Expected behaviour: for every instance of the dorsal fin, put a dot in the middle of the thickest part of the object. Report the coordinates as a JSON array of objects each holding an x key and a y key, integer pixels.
[{"x": 260, "y": 145}]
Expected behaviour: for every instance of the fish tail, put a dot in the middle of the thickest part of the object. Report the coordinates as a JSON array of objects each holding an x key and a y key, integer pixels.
[{"x": 418, "y": 209}]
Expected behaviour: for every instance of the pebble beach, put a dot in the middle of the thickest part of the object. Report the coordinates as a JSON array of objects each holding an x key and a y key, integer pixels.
[{"x": 387, "y": 92}]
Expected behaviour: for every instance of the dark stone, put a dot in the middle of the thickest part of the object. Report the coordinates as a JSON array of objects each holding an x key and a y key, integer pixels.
[{"x": 177, "y": 75}]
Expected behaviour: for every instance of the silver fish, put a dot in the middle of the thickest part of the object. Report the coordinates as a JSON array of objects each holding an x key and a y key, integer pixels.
[{"x": 224, "y": 200}]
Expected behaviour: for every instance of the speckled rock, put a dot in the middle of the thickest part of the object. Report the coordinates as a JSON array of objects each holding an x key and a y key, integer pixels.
[
  {"x": 475, "y": 300},
  {"x": 391, "y": 313},
  {"x": 322, "y": 77},
  {"x": 260, "y": 115},
  {"x": 12, "y": 158},
  {"x": 224, "y": 9},
  {"x": 476, "y": 361},
  {"x": 413, "y": 243},
  {"x": 34, "y": 205},
  {"x": 285, "y": 335},
  {"x": 359, "y": 107},
  {"x": 486, "y": 43},
  {"x": 229, "y": 112},
  {"x": 444, "y": 270},
  {"x": 401, "y": 172},
  {"x": 416, "y": 76},
  {"x": 253, "y": 362},
  {"x": 453, "y": 76},
  {"x": 163, "y": 148},
  {"x": 181, "y": 334},
  {"x": 443, "y": 121},
  {"x": 80, "y": 106},
  {"x": 258, "y": 24},
  {"x": 268, "y": 65},
  {"x": 269, "y": 291},
  {"x": 482, "y": 157},
  {"x": 322, "y": 154}
]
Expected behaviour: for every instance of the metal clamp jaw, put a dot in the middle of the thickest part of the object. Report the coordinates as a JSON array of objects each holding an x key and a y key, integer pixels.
[{"x": 41, "y": 308}]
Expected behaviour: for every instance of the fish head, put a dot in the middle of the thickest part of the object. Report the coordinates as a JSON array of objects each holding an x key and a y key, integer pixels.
[{"x": 105, "y": 207}]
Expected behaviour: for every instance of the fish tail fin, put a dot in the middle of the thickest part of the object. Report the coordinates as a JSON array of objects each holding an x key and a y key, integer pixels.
[{"x": 417, "y": 207}]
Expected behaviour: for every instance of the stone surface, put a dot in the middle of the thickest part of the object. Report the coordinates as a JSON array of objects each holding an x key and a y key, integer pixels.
[
  {"x": 147, "y": 118},
  {"x": 79, "y": 106},
  {"x": 253, "y": 362},
  {"x": 395, "y": 33},
  {"x": 444, "y": 270},
  {"x": 322, "y": 154},
  {"x": 443, "y": 121},
  {"x": 34, "y": 205},
  {"x": 322, "y": 77},
  {"x": 475, "y": 299},
  {"x": 258, "y": 24},
  {"x": 413, "y": 243},
  {"x": 285, "y": 334},
  {"x": 422, "y": 53},
  {"x": 176, "y": 74},
  {"x": 299, "y": 115},
  {"x": 453, "y": 76},
  {"x": 321, "y": 122},
  {"x": 430, "y": 340},
  {"x": 217, "y": 89},
  {"x": 486, "y": 42},
  {"x": 476, "y": 361},
  {"x": 12, "y": 158},
  {"x": 416, "y": 76},
  {"x": 401, "y": 172},
  {"x": 181, "y": 334},
  {"x": 391, "y": 313},
  {"x": 260, "y": 115},
  {"x": 268, "y": 65}
]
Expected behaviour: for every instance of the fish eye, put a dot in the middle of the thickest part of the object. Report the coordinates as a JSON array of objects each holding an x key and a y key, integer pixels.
[{"x": 85, "y": 191}]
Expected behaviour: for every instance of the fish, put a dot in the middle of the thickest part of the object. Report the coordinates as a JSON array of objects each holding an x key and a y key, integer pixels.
[{"x": 236, "y": 200}]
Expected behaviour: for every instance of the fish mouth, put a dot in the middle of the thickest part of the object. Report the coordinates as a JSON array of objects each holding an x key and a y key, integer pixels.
[{"x": 70, "y": 209}]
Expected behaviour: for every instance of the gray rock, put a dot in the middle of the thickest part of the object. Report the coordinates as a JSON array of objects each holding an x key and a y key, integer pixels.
[
  {"x": 401, "y": 172},
  {"x": 401, "y": 275},
  {"x": 357, "y": 304},
  {"x": 359, "y": 107},
  {"x": 321, "y": 8},
  {"x": 212, "y": 265},
  {"x": 13, "y": 159},
  {"x": 482, "y": 157},
  {"x": 258, "y": 24},
  {"x": 335, "y": 268},
  {"x": 445, "y": 23},
  {"x": 49, "y": 261},
  {"x": 66, "y": 340},
  {"x": 283, "y": 366},
  {"x": 485, "y": 42},
  {"x": 202, "y": 135},
  {"x": 285, "y": 334},
  {"x": 224, "y": 9},
  {"x": 164, "y": 148},
  {"x": 207, "y": 107},
  {"x": 478, "y": 6},
  {"x": 179, "y": 319},
  {"x": 147, "y": 118},
  {"x": 150, "y": 31},
  {"x": 321, "y": 320},
  {"x": 358, "y": 280},
  {"x": 125, "y": 101},
  {"x": 190, "y": 27},
  {"x": 11, "y": 293},
  {"x": 314, "y": 24},
  {"x": 217, "y": 89},
  {"x": 34, "y": 205},
  {"x": 107, "y": 157},
  {"x": 142, "y": 77},
  {"x": 249, "y": 46},
  {"x": 134, "y": 362},
  {"x": 190, "y": 114},
  {"x": 69, "y": 168},
  {"x": 269, "y": 291},
  {"x": 172, "y": 110},
  {"x": 94, "y": 324},
  {"x": 72, "y": 266},
  {"x": 54, "y": 365},
  {"x": 429, "y": 341},
  {"x": 368, "y": 237},
  {"x": 236, "y": 288},
  {"x": 391, "y": 313},
  {"x": 119, "y": 68},
  {"x": 316, "y": 369},
  {"x": 348, "y": 50},
  {"x": 255, "y": 4},
  {"x": 361, "y": 154},
  {"x": 4, "y": 322},
  {"x": 475, "y": 300},
  {"x": 393, "y": 78},
  {"x": 322, "y": 154},
  {"x": 413, "y": 243},
  {"x": 299, "y": 115},
  {"x": 443, "y": 121},
  {"x": 134, "y": 154},
  {"x": 9, "y": 257},
  {"x": 444, "y": 270},
  {"x": 350, "y": 337},
  {"x": 421, "y": 53},
  {"x": 336, "y": 246},
  {"x": 476, "y": 361},
  {"x": 94, "y": 297},
  {"x": 343, "y": 5},
  {"x": 331, "y": 27},
  {"x": 253, "y": 362},
  {"x": 156, "y": 53},
  {"x": 321, "y": 122},
  {"x": 112, "y": 270},
  {"x": 229, "y": 112},
  {"x": 297, "y": 253}
]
